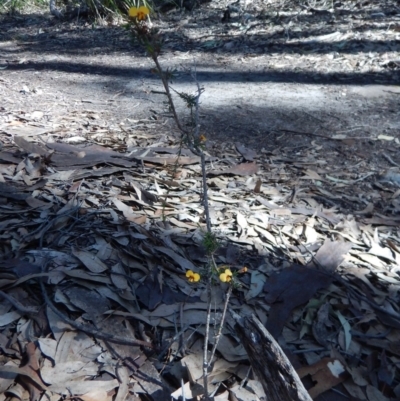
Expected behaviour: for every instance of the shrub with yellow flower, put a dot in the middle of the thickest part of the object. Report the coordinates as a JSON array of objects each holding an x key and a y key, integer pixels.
[
  {"x": 139, "y": 13},
  {"x": 192, "y": 276},
  {"x": 226, "y": 276}
]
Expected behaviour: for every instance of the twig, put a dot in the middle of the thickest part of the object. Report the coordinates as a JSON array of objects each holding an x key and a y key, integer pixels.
[
  {"x": 168, "y": 92},
  {"x": 183, "y": 390},
  {"x": 304, "y": 133},
  {"x": 218, "y": 336},
  {"x": 394, "y": 93},
  {"x": 205, "y": 193},
  {"x": 206, "y": 337},
  {"x": 17, "y": 305},
  {"x": 304, "y": 351},
  {"x": 390, "y": 160},
  {"x": 246, "y": 377},
  {"x": 52, "y": 222},
  {"x": 177, "y": 335}
]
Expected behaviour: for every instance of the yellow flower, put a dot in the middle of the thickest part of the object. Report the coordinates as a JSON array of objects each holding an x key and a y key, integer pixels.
[
  {"x": 226, "y": 277},
  {"x": 243, "y": 270},
  {"x": 192, "y": 277},
  {"x": 139, "y": 13},
  {"x": 202, "y": 138}
]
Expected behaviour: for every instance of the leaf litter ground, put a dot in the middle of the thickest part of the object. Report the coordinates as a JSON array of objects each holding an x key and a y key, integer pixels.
[{"x": 98, "y": 226}]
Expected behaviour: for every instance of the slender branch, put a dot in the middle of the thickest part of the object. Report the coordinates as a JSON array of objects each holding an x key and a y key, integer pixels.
[
  {"x": 205, "y": 192},
  {"x": 196, "y": 115},
  {"x": 192, "y": 140},
  {"x": 206, "y": 337},
  {"x": 218, "y": 336},
  {"x": 168, "y": 92},
  {"x": 17, "y": 305}
]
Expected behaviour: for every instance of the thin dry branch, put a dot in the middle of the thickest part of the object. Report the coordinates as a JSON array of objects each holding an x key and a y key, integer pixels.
[{"x": 274, "y": 370}]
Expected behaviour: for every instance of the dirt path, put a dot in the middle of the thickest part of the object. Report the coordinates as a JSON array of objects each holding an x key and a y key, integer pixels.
[
  {"x": 272, "y": 74},
  {"x": 276, "y": 78}
]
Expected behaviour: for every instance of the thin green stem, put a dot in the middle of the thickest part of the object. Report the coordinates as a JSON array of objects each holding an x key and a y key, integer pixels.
[
  {"x": 168, "y": 92},
  {"x": 192, "y": 143},
  {"x": 205, "y": 192},
  {"x": 218, "y": 336},
  {"x": 206, "y": 337},
  {"x": 175, "y": 169}
]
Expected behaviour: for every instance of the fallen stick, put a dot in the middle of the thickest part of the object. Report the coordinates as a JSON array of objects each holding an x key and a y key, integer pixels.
[{"x": 274, "y": 370}]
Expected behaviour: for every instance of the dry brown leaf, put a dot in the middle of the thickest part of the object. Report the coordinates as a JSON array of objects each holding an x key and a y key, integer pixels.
[
  {"x": 118, "y": 277},
  {"x": 326, "y": 373},
  {"x": 239, "y": 392},
  {"x": 9, "y": 317},
  {"x": 91, "y": 261},
  {"x": 331, "y": 254},
  {"x": 242, "y": 169},
  {"x": 257, "y": 188},
  {"x": 242, "y": 222},
  {"x": 266, "y": 234},
  {"x": 29, "y": 373},
  {"x": 230, "y": 350},
  {"x": 222, "y": 397},
  {"x": 181, "y": 261},
  {"x": 322, "y": 325},
  {"x": 89, "y": 301},
  {"x": 186, "y": 390},
  {"x": 165, "y": 161},
  {"x": 70, "y": 370},
  {"x": 31, "y": 147},
  {"x": 354, "y": 390},
  {"x": 67, "y": 156},
  {"x": 311, "y": 174},
  {"x": 257, "y": 282},
  {"x": 79, "y": 387},
  {"x": 194, "y": 365},
  {"x": 373, "y": 394},
  {"x": 17, "y": 392},
  {"x": 248, "y": 154},
  {"x": 153, "y": 386},
  {"x": 128, "y": 212},
  {"x": 96, "y": 395},
  {"x": 143, "y": 195}
]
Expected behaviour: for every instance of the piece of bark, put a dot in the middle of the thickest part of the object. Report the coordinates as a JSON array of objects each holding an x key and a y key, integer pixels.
[{"x": 276, "y": 374}]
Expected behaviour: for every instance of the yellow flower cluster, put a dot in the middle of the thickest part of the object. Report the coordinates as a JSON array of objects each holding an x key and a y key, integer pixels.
[
  {"x": 139, "y": 13},
  {"x": 192, "y": 276},
  {"x": 226, "y": 276}
]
